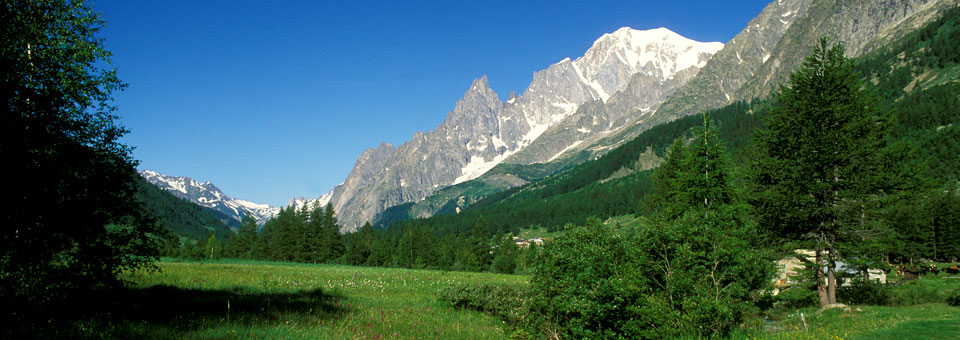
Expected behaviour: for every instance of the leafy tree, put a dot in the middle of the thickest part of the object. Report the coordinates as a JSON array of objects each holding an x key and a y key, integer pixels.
[
  {"x": 70, "y": 220},
  {"x": 821, "y": 162},
  {"x": 505, "y": 256}
]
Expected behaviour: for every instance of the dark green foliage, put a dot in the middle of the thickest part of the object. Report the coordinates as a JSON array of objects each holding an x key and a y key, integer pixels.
[
  {"x": 697, "y": 275},
  {"x": 861, "y": 292},
  {"x": 505, "y": 256},
  {"x": 241, "y": 245},
  {"x": 180, "y": 216},
  {"x": 823, "y": 164},
  {"x": 359, "y": 246},
  {"x": 305, "y": 235},
  {"x": 953, "y": 298},
  {"x": 508, "y": 302},
  {"x": 416, "y": 248},
  {"x": 70, "y": 221},
  {"x": 798, "y": 297},
  {"x": 588, "y": 284}
]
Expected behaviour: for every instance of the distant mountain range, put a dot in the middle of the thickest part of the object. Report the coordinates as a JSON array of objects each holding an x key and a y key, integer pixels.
[{"x": 208, "y": 195}]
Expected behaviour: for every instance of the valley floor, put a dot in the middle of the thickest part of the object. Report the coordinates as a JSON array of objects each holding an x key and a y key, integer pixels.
[{"x": 270, "y": 300}]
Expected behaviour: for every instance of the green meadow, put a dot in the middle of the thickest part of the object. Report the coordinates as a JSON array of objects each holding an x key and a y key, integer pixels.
[
  {"x": 229, "y": 299},
  {"x": 271, "y": 300}
]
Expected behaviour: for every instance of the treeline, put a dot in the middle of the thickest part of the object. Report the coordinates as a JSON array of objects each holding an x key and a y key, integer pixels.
[{"x": 311, "y": 235}]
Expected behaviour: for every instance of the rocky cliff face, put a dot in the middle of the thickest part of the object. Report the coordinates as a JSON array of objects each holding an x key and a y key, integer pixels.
[
  {"x": 631, "y": 87},
  {"x": 483, "y": 131},
  {"x": 761, "y": 57},
  {"x": 860, "y": 25},
  {"x": 737, "y": 62}
]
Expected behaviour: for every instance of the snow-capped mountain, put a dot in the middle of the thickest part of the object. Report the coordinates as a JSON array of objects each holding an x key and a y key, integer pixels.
[
  {"x": 483, "y": 131},
  {"x": 208, "y": 195}
]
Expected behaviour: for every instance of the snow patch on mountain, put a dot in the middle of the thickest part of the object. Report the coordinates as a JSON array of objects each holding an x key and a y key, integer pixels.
[{"x": 208, "y": 195}]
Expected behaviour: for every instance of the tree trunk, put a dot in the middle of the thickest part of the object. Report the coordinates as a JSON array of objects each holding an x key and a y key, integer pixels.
[
  {"x": 821, "y": 282},
  {"x": 831, "y": 284}
]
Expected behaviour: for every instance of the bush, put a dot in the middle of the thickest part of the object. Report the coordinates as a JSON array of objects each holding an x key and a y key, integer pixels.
[
  {"x": 919, "y": 292},
  {"x": 864, "y": 293},
  {"x": 505, "y": 301},
  {"x": 798, "y": 297},
  {"x": 695, "y": 276},
  {"x": 953, "y": 298}
]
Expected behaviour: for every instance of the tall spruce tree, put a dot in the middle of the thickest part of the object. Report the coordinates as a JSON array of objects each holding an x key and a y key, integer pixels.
[{"x": 821, "y": 162}]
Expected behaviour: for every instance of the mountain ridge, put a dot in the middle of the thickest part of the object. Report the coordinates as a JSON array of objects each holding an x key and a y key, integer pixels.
[{"x": 483, "y": 131}]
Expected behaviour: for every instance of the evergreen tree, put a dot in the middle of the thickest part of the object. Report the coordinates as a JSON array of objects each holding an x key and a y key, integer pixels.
[
  {"x": 819, "y": 163},
  {"x": 241, "y": 245},
  {"x": 664, "y": 197},
  {"x": 331, "y": 241},
  {"x": 477, "y": 257},
  {"x": 359, "y": 248}
]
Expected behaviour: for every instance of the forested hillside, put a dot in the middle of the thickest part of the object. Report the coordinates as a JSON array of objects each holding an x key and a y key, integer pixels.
[{"x": 183, "y": 218}]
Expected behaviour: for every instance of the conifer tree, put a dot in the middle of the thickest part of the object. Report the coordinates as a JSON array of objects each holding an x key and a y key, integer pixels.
[
  {"x": 241, "y": 245},
  {"x": 820, "y": 164},
  {"x": 360, "y": 242}
]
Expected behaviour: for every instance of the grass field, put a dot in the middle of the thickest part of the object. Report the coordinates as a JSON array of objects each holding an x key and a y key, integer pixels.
[
  {"x": 257, "y": 300},
  {"x": 270, "y": 300}
]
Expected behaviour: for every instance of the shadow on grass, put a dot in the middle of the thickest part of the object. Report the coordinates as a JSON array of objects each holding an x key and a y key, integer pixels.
[{"x": 171, "y": 312}]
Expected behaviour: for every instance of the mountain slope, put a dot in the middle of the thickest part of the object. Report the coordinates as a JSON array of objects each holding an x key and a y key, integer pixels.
[
  {"x": 483, "y": 131},
  {"x": 208, "y": 195},
  {"x": 183, "y": 218}
]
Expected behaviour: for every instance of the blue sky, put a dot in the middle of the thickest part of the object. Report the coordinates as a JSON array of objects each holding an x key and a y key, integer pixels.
[{"x": 270, "y": 100}]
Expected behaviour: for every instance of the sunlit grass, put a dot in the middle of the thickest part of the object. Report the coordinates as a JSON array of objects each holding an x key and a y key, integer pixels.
[{"x": 355, "y": 303}]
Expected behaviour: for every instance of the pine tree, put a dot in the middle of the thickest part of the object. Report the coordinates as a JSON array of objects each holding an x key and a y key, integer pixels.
[
  {"x": 664, "y": 197},
  {"x": 359, "y": 248},
  {"x": 331, "y": 240},
  {"x": 241, "y": 245},
  {"x": 819, "y": 163}
]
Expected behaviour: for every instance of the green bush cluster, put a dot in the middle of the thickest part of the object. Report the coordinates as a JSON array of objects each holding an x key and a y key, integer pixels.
[
  {"x": 694, "y": 276},
  {"x": 953, "y": 298},
  {"x": 509, "y": 302},
  {"x": 864, "y": 293}
]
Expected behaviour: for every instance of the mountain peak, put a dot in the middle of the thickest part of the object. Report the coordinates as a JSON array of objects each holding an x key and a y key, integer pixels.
[{"x": 480, "y": 82}]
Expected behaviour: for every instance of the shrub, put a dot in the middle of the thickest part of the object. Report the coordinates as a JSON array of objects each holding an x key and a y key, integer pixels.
[
  {"x": 918, "y": 292},
  {"x": 864, "y": 293},
  {"x": 798, "y": 297},
  {"x": 505, "y": 301},
  {"x": 953, "y": 298},
  {"x": 695, "y": 276}
]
